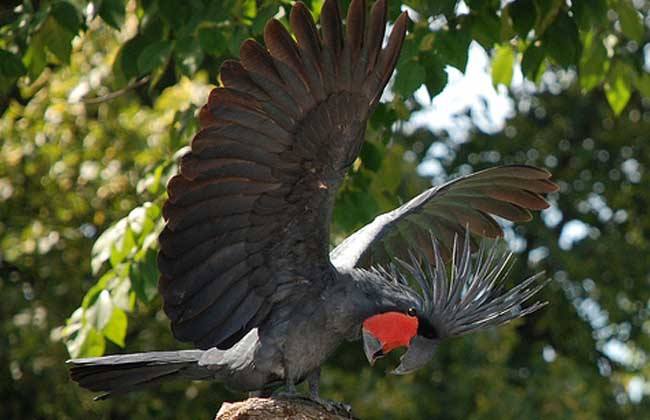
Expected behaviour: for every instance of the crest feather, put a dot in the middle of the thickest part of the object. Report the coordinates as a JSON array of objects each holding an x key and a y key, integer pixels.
[{"x": 470, "y": 295}]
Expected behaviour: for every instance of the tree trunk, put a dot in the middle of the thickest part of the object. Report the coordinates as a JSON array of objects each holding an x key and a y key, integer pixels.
[{"x": 279, "y": 409}]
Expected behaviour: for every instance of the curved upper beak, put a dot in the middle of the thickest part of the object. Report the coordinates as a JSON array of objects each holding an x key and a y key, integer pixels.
[
  {"x": 372, "y": 347},
  {"x": 419, "y": 352}
]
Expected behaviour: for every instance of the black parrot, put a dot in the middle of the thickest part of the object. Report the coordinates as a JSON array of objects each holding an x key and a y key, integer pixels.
[{"x": 246, "y": 270}]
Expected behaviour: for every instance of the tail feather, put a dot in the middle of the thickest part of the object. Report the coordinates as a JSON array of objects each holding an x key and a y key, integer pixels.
[{"x": 122, "y": 373}]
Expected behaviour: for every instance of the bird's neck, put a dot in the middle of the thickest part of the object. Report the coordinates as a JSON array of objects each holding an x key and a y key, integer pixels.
[{"x": 360, "y": 294}]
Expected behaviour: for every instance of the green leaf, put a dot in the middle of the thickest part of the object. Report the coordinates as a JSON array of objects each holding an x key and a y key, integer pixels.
[
  {"x": 67, "y": 16},
  {"x": 101, "y": 250},
  {"x": 91, "y": 343},
  {"x": 432, "y": 8},
  {"x": 237, "y": 36},
  {"x": 121, "y": 293},
  {"x": 410, "y": 76},
  {"x": 125, "y": 66},
  {"x": 562, "y": 41},
  {"x": 11, "y": 68},
  {"x": 486, "y": 29},
  {"x": 590, "y": 13},
  {"x": 91, "y": 295},
  {"x": 593, "y": 62},
  {"x": 436, "y": 76},
  {"x": 452, "y": 46},
  {"x": 35, "y": 58},
  {"x": 618, "y": 87},
  {"x": 263, "y": 15},
  {"x": 113, "y": 12},
  {"x": 144, "y": 277},
  {"x": 531, "y": 63},
  {"x": 643, "y": 84},
  {"x": 57, "y": 39},
  {"x": 521, "y": 16},
  {"x": 371, "y": 156},
  {"x": 390, "y": 178},
  {"x": 154, "y": 56},
  {"x": 631, "y": 20},
  {"x": 115, "y": 328},
  {"x": 546, "y": 11},
  {"x": 188, "y": 55},
  {"x": 212, "y": 40},
  {"x": 171, "y": 13},
  {"x": 104, "y": 309},
  {"x": 503, "y": 65},
  {"x": 124, "y": 248}
]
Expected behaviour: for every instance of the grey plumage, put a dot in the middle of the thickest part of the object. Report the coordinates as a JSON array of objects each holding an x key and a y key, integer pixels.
[{"x": 470, "y": 296}]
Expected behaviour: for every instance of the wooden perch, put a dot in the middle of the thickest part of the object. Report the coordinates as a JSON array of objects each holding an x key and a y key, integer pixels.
[{"x": 279, "y": 409}]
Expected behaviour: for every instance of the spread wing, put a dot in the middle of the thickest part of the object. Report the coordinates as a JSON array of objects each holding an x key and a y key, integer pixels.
[
  {"x": 248, "y": 214},
  {"x": 445, "y": 211}
]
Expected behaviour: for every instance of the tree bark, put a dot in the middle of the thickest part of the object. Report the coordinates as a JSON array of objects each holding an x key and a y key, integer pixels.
[{"x": 279, "y": 409}]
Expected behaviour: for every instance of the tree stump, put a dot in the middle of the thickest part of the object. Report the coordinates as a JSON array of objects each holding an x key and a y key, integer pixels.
[{"x": 279, "y": 409}]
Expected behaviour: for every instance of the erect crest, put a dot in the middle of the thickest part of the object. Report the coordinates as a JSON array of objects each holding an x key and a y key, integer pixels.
[{"x": 470, "y": 295}]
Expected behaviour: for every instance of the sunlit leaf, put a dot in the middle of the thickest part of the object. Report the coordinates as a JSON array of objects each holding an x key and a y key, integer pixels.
[
  {"x": 115, "y": 328},
  {"x": 594, "y": 62},
  {"x": 503, "y": 65},
  {"x": 101, "y": 250},
  {"x": 590, "y": 13},
  {"x": 92, "y": 294},
  {"x": 618, "y": 87},
  {"x": 631, "y": 20},
  {"x": 91, "y": 343},
  {"x": 104, "y": 309},
  {"x": 35, "y": 58}
]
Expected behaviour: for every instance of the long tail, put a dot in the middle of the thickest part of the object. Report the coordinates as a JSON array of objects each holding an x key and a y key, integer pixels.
[{"x": 128, "y": 372}]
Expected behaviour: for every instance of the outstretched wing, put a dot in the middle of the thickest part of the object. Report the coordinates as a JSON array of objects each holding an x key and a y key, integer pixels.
[
  {"x": 445, "y": 211},
  {"x": 248, "y": 214}
]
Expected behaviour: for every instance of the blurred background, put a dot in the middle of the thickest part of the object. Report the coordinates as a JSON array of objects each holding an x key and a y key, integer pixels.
[{"x": 97, "y": 98}]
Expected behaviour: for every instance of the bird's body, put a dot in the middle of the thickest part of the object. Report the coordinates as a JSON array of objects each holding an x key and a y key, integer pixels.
[
  {"x": 289, "y": 346},
  {"x": 246, "y": 269}
]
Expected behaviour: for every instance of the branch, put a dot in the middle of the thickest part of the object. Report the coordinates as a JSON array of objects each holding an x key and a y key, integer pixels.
[
  {"x": 116, "y": 94},
  {"x": 279, "y": 409}
]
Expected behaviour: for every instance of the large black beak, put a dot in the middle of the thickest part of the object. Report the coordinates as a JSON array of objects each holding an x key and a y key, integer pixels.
[
  {"x": 372, "y": 347},
  {"x": 419, "y": 352}
]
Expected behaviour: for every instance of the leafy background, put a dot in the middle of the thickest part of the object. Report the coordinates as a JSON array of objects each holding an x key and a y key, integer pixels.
[{"x": 98, "y": 98}]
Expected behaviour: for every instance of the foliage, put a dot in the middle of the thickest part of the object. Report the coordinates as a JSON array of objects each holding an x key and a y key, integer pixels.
[{"x": 98, "y": 99}]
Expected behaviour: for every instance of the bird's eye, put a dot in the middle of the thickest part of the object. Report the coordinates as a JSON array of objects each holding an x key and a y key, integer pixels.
[{"x": 411, "y": 312}]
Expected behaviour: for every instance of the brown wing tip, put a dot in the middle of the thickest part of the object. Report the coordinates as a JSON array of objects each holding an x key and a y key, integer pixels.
[
  {"x": 552, "y": 186},
  {"x": 273, "y": 27},
  {"x": 402, "y": 21}
]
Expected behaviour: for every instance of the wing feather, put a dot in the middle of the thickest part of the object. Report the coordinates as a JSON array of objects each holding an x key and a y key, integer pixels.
[
  {"x": 471, "y": 201},
  {"x": 247, "y": 215}
]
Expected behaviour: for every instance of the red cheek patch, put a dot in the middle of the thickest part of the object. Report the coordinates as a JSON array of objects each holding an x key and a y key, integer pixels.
[{"x": 392, "y": 329}]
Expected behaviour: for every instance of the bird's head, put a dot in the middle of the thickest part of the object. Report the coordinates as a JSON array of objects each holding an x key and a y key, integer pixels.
[
  {"x": 468, "y": 298},
  {"x": 388, "y": 331}
]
